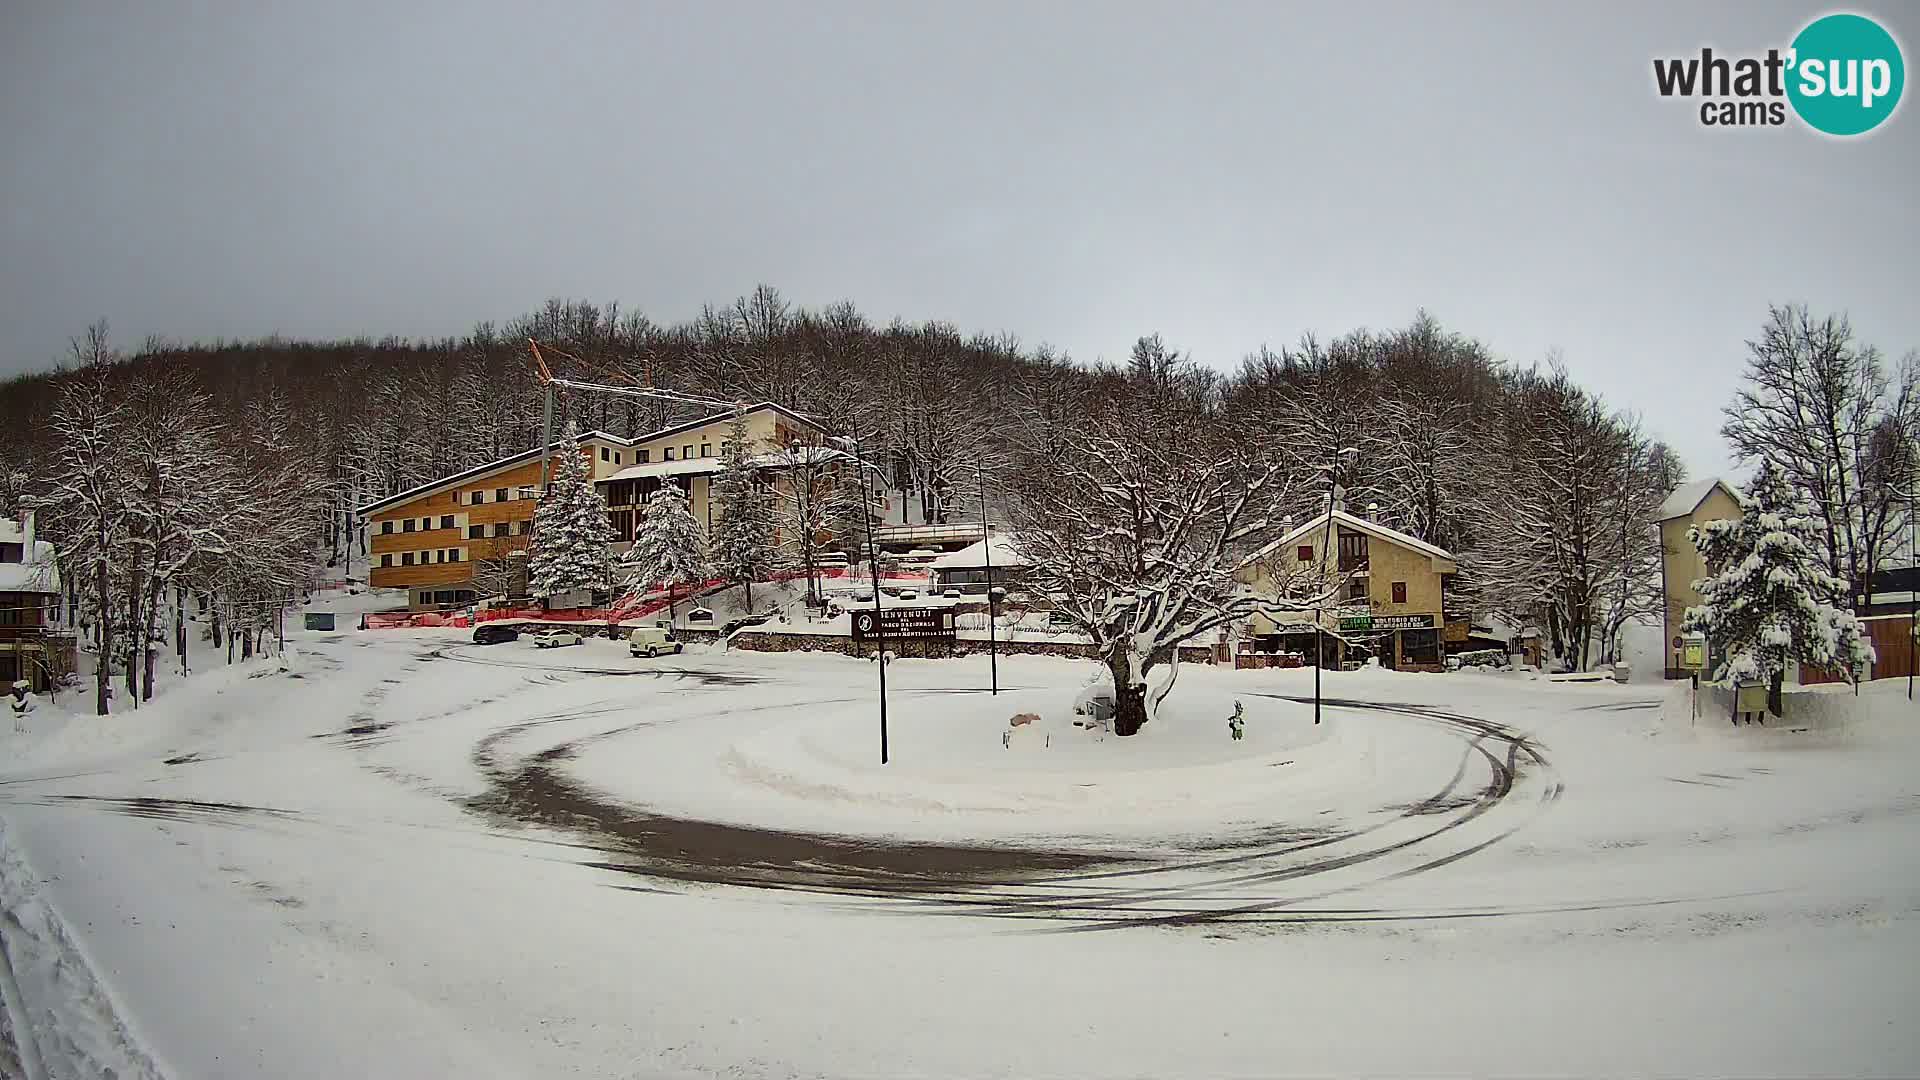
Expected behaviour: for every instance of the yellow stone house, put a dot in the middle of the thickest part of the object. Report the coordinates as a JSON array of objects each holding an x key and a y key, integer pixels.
[
  {"x": 1389, "y": 593},
  {"x": 1680, "y": 564}
]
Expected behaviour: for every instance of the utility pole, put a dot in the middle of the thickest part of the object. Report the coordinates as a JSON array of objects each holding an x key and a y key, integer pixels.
[
  {"x": 873, "y": 563},
  {"x": 1913, "y": 586},
  {"x": 986, "y": 546},
  {"x": 1326, "y": 540}
]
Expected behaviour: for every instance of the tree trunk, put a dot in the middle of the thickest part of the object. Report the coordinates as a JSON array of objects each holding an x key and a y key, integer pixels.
[
  {"x": 149, "y": 627},
  {"x": 134, "y": 645},
  {"x": 1129, "y": 698},
  {"x": 1773, "y": 693},
  {"x": 101, "y": 673}
]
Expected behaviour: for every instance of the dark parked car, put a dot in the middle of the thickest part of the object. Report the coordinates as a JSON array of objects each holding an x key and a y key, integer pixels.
[
  {"x": 494, "y": 634},
  {"x": 745, "y": 620}
]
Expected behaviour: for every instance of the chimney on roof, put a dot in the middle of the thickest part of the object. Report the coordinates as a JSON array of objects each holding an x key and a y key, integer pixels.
[{"x": 26, "y": 534}]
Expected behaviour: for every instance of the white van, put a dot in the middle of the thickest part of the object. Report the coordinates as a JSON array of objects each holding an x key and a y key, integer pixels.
[{"x": 652, "y": 641}]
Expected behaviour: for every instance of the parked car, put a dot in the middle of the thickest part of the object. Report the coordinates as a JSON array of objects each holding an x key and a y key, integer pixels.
[
  {"x": 652, "y": 641},
  {"x": 952, "y": 593},
  {"x": 1056, "y": 618},
  {"x": 700, "y": 614},
  {"x": 494, "y": 634},
  {"x": 908, "y": 594},
  {"x": 743, "y": 621},
  {"x": 555, "y": 638}
]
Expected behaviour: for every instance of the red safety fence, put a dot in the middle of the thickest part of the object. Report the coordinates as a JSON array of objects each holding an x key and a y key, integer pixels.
[{"x": 405, "y": 620}]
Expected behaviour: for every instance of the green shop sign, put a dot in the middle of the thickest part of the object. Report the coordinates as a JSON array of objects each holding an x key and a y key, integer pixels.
[{"x": 1386, "y": 622}]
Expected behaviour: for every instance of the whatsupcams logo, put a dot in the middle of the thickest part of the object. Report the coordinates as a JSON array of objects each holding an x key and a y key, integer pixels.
[{"x": 1842, "y": 75}]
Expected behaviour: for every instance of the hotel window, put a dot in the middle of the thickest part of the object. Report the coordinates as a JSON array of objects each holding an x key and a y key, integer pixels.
[
  {"x": 1353, "y": 551},
  {"x": 640, "y": 457},
  {"x": 475, "y": 532},
  {"x": 1357, "y": 589},
  {"x": 499, "y": 528},
  {"x": 706, "y": 449},
  {"x": 446, "y": 521},
  {"x": 407, "y": 525},
  {"x": 406, "y": 558},
  {"x": 499, "y": 494},
  {"x": 479, "y": 497},
  {"x": 606, "y": 454},
  {"x": 386, "y": 560},
  {"x": 456, "y": 497},
  {"x": 386, "y": 526},
  {"x": 1304, "y": 553},
  {"x": 523, "y": 527},
  {"x": 1399, "y": 592},
  {"x": 666, "y": 454},
  {"x": 426, "y": 523},
  {"x": 453, "y": 554},
  {"x": 616, "y": 457},
  {"x": 686, "y": 452}
]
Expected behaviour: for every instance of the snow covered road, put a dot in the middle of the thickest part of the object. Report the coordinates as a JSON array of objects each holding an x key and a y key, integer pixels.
[{"x": 412, "y": 856}]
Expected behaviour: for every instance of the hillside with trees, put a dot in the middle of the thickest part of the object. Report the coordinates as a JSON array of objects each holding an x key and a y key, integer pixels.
[{"x": 1544, "y": 492}]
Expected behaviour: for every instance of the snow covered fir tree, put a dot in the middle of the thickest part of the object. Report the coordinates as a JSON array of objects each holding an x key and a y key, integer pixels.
[
  {"x": 1769, "y": 599},
  {"x": 743, "y": 539},
  {"x": 669, "y": 547},
  {"x": 571, "y": 532}
]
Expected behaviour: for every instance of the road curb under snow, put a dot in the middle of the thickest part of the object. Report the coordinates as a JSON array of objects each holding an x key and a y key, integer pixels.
[{"x": 60, "y": 1020}]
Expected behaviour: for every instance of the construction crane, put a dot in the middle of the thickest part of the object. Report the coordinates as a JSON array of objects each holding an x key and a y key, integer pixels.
[{"x": 548, "y": 380}]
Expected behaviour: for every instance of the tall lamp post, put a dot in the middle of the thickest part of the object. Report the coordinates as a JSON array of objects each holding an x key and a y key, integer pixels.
[
  {"x": 1913, "y": 586},
  {"x": 993, "y": 594},
  {"x": 873, "y": 563},
  {"x": 1333, "y": 488}
]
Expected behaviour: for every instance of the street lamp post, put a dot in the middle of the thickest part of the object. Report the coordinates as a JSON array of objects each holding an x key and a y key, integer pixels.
[
  {"x": 993, "y": 594},
  {"x": 1333, "y": 488},
  {"x": 873, "y": 563},
  {"x": 1913, "y": 586}
]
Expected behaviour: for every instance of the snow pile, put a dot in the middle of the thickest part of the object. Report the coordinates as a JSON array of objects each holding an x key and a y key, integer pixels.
[
  {"x": 1827, "y": 711},
  {"x": 59, "y": 1020},
  {"x": 960, "y": 770}
]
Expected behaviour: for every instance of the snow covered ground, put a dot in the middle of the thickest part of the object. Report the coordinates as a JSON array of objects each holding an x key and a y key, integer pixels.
[{"x": 407, "y": 855}]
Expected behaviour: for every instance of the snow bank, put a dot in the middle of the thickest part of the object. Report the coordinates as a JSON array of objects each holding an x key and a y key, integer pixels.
[
  {"x": 1822, "y": 712},
  {"x": 70, "y": 1027}
]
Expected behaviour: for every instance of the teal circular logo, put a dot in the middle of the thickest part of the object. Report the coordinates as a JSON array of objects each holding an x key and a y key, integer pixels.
[{"x": 1846, "y": 74}]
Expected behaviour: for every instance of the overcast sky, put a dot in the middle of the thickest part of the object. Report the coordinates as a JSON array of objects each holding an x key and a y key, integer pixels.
[{"x": 1078, "y": 174}]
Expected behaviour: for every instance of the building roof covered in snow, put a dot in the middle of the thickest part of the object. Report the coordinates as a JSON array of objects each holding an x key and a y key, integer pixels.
[
  {"x": 521, "y": 458},
  {"x": 1348, "y": 521},
  {"x": 700, "y": 466},
  {"x": 974, "y": 555},
  {"x": 687, "y": 467},
  {"x": 721, "y": 417},
  {"x": 1687, "y": 497},
  {"x": 35, "y": 573}
]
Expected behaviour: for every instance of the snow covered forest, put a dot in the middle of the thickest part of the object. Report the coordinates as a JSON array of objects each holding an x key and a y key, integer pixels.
[{"x": 225, "y": 472}]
